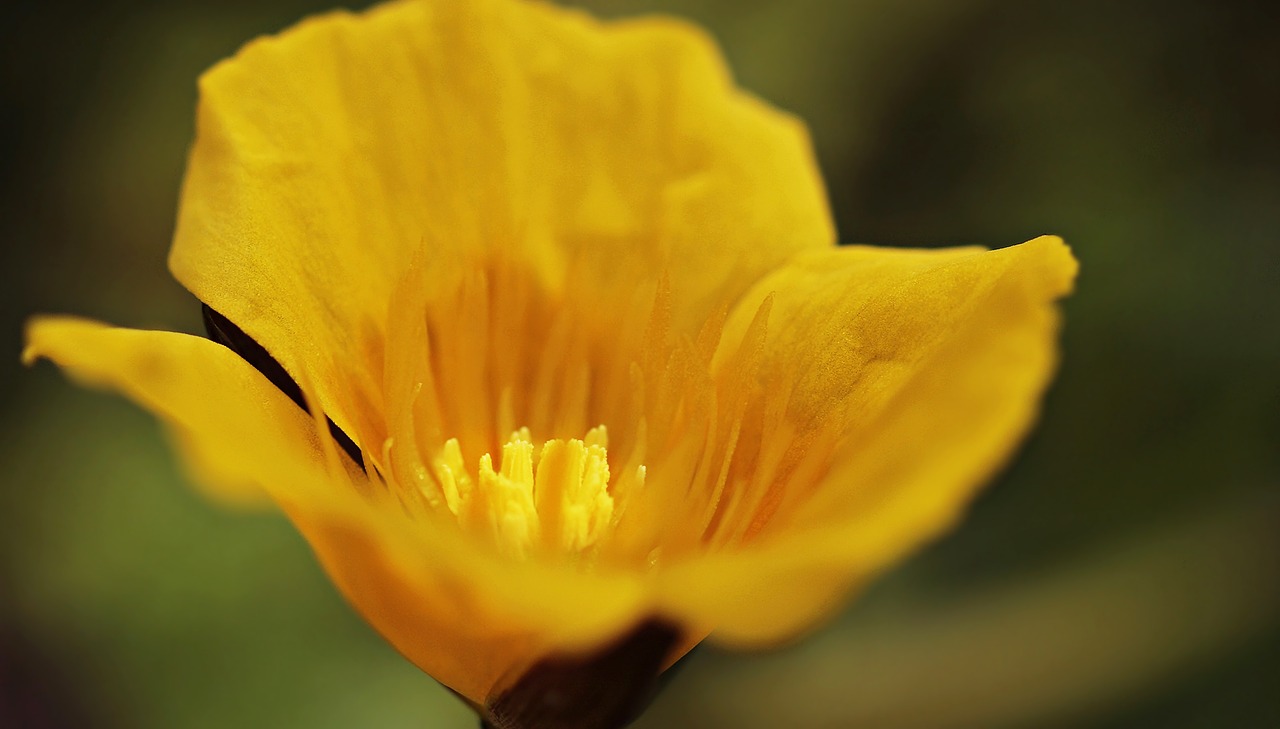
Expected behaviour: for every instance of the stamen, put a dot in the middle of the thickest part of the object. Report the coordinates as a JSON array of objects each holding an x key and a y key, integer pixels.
[{"x": 555, "y": 498}]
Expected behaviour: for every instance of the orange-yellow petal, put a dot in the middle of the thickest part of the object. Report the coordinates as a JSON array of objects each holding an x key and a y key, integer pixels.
[
  {"x": 927, "y": 367},
  {"x": 466, "y": 618},
  {"x": 240, "y": 433},
  {"x": 594, "y": 153}
]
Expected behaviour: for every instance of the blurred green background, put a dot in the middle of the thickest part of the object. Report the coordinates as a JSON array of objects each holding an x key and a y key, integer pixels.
[{"x": 1124, "y": 572}]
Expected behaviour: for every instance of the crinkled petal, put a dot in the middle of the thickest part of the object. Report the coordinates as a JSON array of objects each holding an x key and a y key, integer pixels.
[
  {"x": 593, "y": 153},
  {"x": 929, "y": 367}
]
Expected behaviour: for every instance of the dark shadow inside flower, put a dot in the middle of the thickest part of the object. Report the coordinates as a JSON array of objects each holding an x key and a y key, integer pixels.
[{"x": 223, "y": 331}]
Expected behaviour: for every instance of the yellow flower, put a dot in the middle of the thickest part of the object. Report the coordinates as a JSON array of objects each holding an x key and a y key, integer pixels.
[{"x": 590, "y": 380}]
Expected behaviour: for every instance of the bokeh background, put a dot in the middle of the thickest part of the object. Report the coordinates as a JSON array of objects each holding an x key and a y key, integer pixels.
[{"x": 1123, "y": 572}]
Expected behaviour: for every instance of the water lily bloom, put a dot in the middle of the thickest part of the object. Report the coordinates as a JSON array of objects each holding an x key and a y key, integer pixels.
[{"x": 536, "y": 328}]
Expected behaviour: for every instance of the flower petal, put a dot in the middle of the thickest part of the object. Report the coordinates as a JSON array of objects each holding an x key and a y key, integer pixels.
[
  {"x": 593, "y": 153},
  {"x": 466, "y": 618},
  {"x": 239, "y": 432},
  {"x": 927, "y": 367}
]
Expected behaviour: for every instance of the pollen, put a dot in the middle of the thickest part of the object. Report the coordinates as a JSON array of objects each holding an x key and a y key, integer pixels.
[{"x": 553, "y": 498}]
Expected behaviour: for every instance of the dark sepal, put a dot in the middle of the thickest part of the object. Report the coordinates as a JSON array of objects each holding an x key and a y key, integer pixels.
[
  {"x": 223, "y": 331},
  {"x": 604, "y": 690}
]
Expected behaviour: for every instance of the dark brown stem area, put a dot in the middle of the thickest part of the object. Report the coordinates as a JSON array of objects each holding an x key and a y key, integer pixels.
[{"x": 605, "y": 690}]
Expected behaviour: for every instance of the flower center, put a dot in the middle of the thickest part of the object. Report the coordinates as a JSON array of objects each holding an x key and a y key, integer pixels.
[
  {"x": 467, "y": 360},
  {"x": 555, "y": 497}
]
